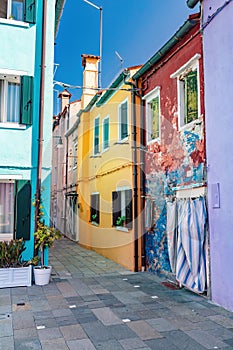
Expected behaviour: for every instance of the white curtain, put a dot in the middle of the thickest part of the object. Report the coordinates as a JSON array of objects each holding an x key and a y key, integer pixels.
[{"x": 6, "y": 208}]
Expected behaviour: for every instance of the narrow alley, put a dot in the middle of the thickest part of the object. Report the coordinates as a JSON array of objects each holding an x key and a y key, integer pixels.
[{"x": 93, "y": 303}]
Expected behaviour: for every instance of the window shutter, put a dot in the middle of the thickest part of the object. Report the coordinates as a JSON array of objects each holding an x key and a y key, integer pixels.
[
  {"x": 26, "y": 100},
  {"x": 96, "y": 136},
  {"x": 23, "y": 210},
  {"x": 106, "y": 133},
  {"x": 124, "y": 120},
  {"x": 30, "y": 11},
  {"x": 191, "y": 96},
  {"x": 128, "y": 209},
  {"x": 116, "y": 207}
]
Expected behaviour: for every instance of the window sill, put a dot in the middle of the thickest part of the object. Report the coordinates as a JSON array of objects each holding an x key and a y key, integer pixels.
[
  {"x": 190, "y": 125},
  {"x": 94, "y": 223},
  {"x": 121, "y": 228},
  {"x": 12, "y": 126},
  {"x": 14, "y": 22},
  {"x": 105, "y": 149},
  {"x": 151, "y": 142}
]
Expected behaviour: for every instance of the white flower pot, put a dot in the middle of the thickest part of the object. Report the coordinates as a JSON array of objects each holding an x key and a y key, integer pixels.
[
  {"x": 42, "y": 275},
  {"x": 15, "y": 276}
]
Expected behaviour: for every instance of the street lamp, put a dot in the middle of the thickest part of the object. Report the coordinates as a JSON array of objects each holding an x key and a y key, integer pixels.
[
  {"x": 101, "y": 21},
  {"x": 59, "y": 143}
]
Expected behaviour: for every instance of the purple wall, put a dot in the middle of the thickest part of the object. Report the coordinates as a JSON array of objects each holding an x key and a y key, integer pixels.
[{"x": 218, "y": 71}]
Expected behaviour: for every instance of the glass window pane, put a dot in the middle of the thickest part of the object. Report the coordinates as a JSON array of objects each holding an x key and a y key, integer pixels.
[
  {"x": 3, "y": 8},
  {"x": 13, "y": 102},
  {"x": 17, "y": 10},
  {"x": 155, "y": 118},
  {"x": 6, "y": 208},
  {"x": 191, "y": 97},
  {"x": 1, "y": 100}
]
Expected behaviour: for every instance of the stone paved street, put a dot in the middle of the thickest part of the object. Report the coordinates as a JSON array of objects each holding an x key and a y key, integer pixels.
[{"x": 92, "y": 303}]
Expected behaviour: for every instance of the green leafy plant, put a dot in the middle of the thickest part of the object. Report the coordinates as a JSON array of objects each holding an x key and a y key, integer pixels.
[
  {"x": 94, "y": 216},
  {"x": 44, "y": 238},
  {"x": 120, "y": 220},
  {"x": 44, "y": 235},
  {"x": 11, "y": 253}
]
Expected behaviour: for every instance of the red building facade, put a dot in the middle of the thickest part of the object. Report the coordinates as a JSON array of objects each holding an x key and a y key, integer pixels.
[{"x": 175, "y": 162}]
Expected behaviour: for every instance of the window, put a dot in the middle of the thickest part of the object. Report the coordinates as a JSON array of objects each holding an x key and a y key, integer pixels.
[
  {"x": 6, "y": 208},
  {"x": 105, "y": 133},
  {"x": 189, "y": 97},
  {"x": 15, "y": 209},
  {"x": 188, "y": 91},
  {"x": 123, "y": 120},
  {"x": 97, "y": 135},
  {"x": 122, "y": 208},
  {"x": 10, "y": 99},
  {"x": 15, "y": 99},
  {"x": 153, "y": 114},
  {"x": 18, "y": 10},
  {"x": 95, "y": 206}
]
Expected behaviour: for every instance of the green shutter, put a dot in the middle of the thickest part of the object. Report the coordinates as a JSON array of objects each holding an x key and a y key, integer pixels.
[
  {"x": 30, "y": 11},
  {"x": 116, "y": 207},
  {"x": 191, "y": 96},
  {"x": 155, "y": 118},
  {"x": 128, "y": 209},
  {"x": 23, "y": 210},
  {"x": 106, "y": 133},
  {"x": 124, "y": 120},
  {"x": 96, "y": 136},
  {"x": 26, "y": 100}
]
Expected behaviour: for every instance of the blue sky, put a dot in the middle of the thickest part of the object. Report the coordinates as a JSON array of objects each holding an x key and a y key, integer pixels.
[{"x": 136, "y": 29}]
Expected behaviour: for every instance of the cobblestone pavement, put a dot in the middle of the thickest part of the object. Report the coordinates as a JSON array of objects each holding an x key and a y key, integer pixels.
[{"x": 93, "y": 303}]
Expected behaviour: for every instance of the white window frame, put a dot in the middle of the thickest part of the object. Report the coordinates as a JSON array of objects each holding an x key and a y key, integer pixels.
[
  {"x": 9, "y": 10},
  {"x": 8, "y": 236},
  {"x": 119, "y": 121},
  {"x": 94, "y": 152},
  {"x": 192, "y": 64},
  {"x": 5, "y": 79},
  {"x": 104, "y": 149},
  {"x": 148, "y": 99}
]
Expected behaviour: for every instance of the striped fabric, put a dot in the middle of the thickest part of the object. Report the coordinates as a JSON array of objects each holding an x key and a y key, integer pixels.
[{"x": 191, "y": 245}]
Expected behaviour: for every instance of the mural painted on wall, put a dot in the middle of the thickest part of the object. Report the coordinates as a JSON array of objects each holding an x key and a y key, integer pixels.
[{"x": 175, "y": 165}]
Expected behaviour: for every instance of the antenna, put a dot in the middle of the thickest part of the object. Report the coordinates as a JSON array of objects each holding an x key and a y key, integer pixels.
[{"x": 120, "y": 58}]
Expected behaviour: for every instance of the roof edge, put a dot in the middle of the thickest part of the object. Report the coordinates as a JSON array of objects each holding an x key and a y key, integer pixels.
[
  {"x": 180, "y": 33},
  {"x": 192, "y": 3}
]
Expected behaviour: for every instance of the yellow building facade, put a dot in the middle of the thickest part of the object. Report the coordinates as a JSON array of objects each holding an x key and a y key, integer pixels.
[{"x": 108, "y": 204}]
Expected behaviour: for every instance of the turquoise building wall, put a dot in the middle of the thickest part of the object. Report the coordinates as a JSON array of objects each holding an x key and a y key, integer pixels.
[{"x": 21, "y": 48}]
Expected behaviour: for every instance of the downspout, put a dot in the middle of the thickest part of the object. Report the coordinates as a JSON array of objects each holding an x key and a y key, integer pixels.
[
  {"x": 142, "y": 177},
  {"x": 41, "y": 117},
  {"x": 66, "y": 165},
  {"x": 135, "y": 175}
]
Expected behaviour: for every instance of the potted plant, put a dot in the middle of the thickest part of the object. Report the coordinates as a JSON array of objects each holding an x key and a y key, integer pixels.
[
  {"x": 121, "y": 221},
  {"x": 14, "y": 272},
  {"x": 44, "y": 238}
]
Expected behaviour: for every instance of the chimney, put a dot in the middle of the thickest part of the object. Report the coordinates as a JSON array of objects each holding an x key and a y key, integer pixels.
[
  {"x": 65, "y": 99},
  {"x": 90, "y": 78}
]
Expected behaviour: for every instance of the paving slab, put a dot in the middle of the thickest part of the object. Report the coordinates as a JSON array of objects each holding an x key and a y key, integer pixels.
[{"x": 93, "y": 303}]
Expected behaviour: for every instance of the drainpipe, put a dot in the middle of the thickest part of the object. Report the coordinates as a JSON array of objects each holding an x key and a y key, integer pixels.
[
  {"x": 135, "y": 174},
  {"x": 41, "y": 116},
  {"x": 142, "y": 178},
  {"x": 66, "y": 165}
]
